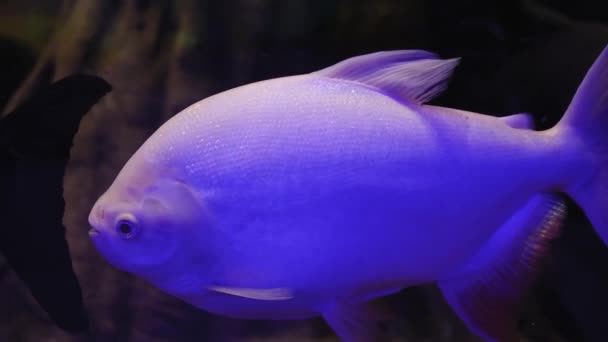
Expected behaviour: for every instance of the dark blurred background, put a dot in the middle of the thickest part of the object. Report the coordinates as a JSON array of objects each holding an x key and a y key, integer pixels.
[{"x": 160, "y": 56}]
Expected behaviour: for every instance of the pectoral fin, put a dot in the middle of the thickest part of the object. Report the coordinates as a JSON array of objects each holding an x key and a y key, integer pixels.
[
  {"x": 486, "y": 292},
  {"x": 357, "y": 322},
  {"x": 258, "y": 294}
]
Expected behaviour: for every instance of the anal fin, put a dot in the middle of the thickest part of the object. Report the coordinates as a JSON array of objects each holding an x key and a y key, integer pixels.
[{"x": 486, "y": 292}]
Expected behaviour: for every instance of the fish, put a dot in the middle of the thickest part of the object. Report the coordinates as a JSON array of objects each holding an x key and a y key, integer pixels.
[
  {"x": 318, "y": 194},
  {"x": 35, "y": 143}
]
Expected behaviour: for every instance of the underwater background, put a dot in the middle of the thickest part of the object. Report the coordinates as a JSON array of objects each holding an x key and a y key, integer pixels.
[{"x": 161, "y": 56}]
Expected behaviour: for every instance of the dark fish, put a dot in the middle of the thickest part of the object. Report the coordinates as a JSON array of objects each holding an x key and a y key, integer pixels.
[{"x": 35, "y": 142}]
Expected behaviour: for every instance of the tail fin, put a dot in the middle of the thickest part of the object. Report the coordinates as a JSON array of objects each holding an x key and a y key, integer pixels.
[{"x": 587, "y": 119}]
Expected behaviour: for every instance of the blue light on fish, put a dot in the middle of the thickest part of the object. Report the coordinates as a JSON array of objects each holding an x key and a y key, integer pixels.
[{"x": 314, "y": 194}]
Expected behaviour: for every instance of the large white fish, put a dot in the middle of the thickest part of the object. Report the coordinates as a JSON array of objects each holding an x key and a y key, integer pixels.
[{"x": 314, "y": 194}]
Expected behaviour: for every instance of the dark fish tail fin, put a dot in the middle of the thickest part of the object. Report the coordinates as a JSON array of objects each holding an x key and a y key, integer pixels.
[
  {"x": 586, "y": 121},
  {"x": 35, "y": 142}
]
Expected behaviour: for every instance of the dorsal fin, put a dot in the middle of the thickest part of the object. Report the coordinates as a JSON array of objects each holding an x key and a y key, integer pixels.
[{"x": 411, "y": 75}]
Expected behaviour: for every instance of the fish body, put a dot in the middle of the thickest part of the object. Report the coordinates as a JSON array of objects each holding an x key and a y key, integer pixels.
[
  {"x": 345, "y": 184},
  {"x": 313, "y": 194}
]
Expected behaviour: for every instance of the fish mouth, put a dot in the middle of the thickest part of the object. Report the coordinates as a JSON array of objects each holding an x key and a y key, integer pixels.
[{"x": 93, "y": 232}]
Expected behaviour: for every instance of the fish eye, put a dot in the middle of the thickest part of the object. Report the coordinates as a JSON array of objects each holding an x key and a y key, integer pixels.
[{"x": 126, "y": 226}]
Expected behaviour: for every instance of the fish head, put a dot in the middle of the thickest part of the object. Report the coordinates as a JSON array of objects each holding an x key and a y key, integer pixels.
[{"x": 147, "y": 223}]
